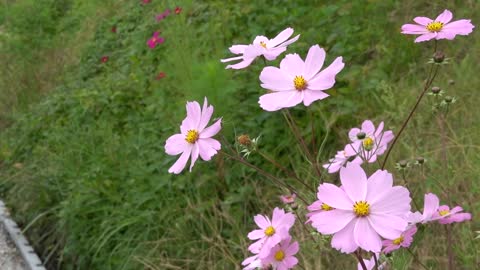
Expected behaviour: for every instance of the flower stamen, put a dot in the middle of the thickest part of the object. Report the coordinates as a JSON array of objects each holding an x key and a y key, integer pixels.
[
  {"x": 326, "y": 207},
  {"x": 434, "y": 26},
  {"x": 263, "y": 44},
  {"x": 368, "y": 144},
  {"x": 361, "y": 208},
  {"x": 279, "y": 255},
  {"x": 443, "y": 212},
  {"x": 269, "y": 231},
  {"x": 300, "y": 83},
  {"x": 192, "y": 136},
  {"x": 398, "y": 241}
]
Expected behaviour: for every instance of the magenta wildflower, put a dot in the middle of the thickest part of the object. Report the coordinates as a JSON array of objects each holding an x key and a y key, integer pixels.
[
  {"x": 163, "y": 15},
  {"x": 440, "y": 28},
  {"x": 445, "y": 215},
  {"x": 195, "y": 138},
  {"x": 269, "y": 48},
  {"x": 297, "y": 81},
  {"x": 282, "y": 256},
  {"x": 178, "y": 10},
  {"x": 288, "y": 199},
  {"x": 368, "y": 142},
  {"x": 104, "y": 59},
  {"x": 404, "y": 240},
  {"x": 432, "y": 211},
  {"x": 340, "y": 159},
  {"x": 270, "y": 232},
  {"x": 155, "y": 40},
  {"x": 362, "y": 210}
]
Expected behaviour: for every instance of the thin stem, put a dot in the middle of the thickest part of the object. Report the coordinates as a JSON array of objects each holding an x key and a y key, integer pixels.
[
  {"x": 376, "y": 260},
  {"x": 360, "y": 260},
  {"x": 415, "y": 257},
  {"x": 285, "y": 170},
  {"x": 296, "y": 132},
  {"x": 425, "y": 88},
  {"x": 413, "y": 194},
  {"x": 305, "y": 227},
  {"x": 448, "y": 228}
]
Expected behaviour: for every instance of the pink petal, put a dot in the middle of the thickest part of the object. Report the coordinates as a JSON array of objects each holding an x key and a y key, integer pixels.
[
  {"x": 231, "y": 59},
  {"x": 366, "y": 237},
  {"x": 343, "y": 240},
  {"x": 425, "y": 37},
  {"x": 377, "y": 183},
  {"x": 290, "y": 262},
  {"x": 211, "y": 130},
  {"x": 208, "y": 147},
  {"x": 445, "y": 17},
  {"x": 460, "y": 27},
  {"x": 379, "y": 130},
  {"x": 175, "y": 144},
  {"x": 395, "y": 200},
  {"x": 329, "y": 222},
  {"x": 422, "y": 21},
  {"x": 256, "y": 234},
  {"x": 446, "y": 35},
  {"x": 193, "y": 115},
  {"x": 314, "y": 61},
  {"x": 279, "y": 100},
  {"x": 368, "y": 127},
  {"x": 352, "y": 134},
  {"x": 243, "y": 64},
  {"x": 181, "y": 162},
  {"x": 238, "y": 49},
  {"x": 275, "y": 79},
  {"x": 281, "y": 37},
  {"x": 277, "y": 216},
  {"x": 272, "y": 54},
  {"x": 326, "y": 78},
  {"x": 354, "y": 182},
  {"x": 259, "y": 39},
  {"x": 206, "y": 114},
  {"x": 292, "y": 64},
  {"x": 261, "y": 221},
  {"x": 388, "y": 226},
  {"x": 195, "y": 153},
  {"x": 309, "y": 96},
  {"x": 288, "y": 42},
  {"x": 292, "y": 249},
  {"x": 414, "y": 29},
  {"x": 334, "y": 197},
  {"x": 431, "y": 204}
]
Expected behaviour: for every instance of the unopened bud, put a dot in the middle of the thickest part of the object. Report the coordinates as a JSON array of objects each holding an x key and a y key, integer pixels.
[
  {"x": 294, "y": 206},
  {"x": 420, "y": 160},
  {"x": 361, "y": 135},
  {"x": 244, "y": 140},
  {"x": 451, "y": 82},
  {"x": 438, "y": 57},
  {"x": 403, "y": 163},
  {"x": 436, "y": 89},
  {"x": 448, "y": 99}
]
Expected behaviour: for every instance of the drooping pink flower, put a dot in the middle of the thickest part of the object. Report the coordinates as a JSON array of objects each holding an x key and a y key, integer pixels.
[
  {"x": 368, "y": 142},
  {"x": 270, "y": 232},
  {"x": 195, "y": 138},
  {"x": 269, "y": 48},
  {"x": 155, "y": 40},
  {"x": 362, "y": 210},
  {"x": 370, "y": 264},
  {"x": 341, "y": 158},
  {"x": 403, "y": 240},
  {"x": 288, "y": 199},
  {"x": 297, "y": 81},
  {"x": 282, "y": 256},
  {"x": 440, "y": 28},
  {"x": 445, "y": 215}
]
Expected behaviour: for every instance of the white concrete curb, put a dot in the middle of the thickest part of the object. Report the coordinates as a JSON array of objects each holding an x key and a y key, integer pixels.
[{"x": 32, "y": 261}]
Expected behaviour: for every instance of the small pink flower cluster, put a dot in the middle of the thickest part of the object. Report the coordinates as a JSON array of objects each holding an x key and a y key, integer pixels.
[{"x": 273, "y": 247}]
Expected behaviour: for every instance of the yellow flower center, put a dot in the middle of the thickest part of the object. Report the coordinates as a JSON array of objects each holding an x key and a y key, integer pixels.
[
  {"x": 398, "y": 241},
  {"x": 361, "y": 208},
  {"x": 269, "y": 231},
  {"x": 434, "y": 26},
  {"x": 263, "y": 44},
  {"x": 368, "y": 144},
  {"x": 326, "y": 207},
  {"x": 192, "y": 136},
  {"x": 279, "y": 255},
  {"x": 444, "y": 212},
  {"x": 300, "y": 83}
]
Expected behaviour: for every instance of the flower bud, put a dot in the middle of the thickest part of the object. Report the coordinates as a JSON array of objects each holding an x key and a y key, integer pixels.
[
  {"x": 438, "y": 57},
  {"x": 403, "y": 163},
  {"x": 294, "y": 206},
  {"x": 361, "y": 135},
  {"x": 420, "y": 160},
  {"x": 244, "y": 140},
  {"x": 451, "y": 82},
  {"x": 448, "y": 99},
  {"x": 436, "y": 90}
]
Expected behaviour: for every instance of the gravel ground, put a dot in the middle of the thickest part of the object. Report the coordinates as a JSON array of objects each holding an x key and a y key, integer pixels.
[{"x": 10, "y": 259}]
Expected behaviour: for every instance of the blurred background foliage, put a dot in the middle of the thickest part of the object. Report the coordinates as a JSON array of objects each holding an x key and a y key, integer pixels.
[{"x": 82, "y": 161}]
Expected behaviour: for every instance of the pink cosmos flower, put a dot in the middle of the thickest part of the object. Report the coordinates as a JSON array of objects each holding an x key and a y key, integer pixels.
[
  {"x": 288, "y": 199},
  {"x": 269, "y": 48},
  {"x": 253, "y": 263},
  {"x": 163, "y": 15},
  {"x": 445, "y": 215},
  {"x": 368, "y": 142},
  {"x": 281, "y": 256},
  {"x": 362, "y": 210},
  {"x": 270, "y": 232},
  {"x": 154, "y": 40},
  {"x": 341, "y": 158},
  {"x": 297, "y": 81},
  {"x": 195, "y": 138},
  {"x": 370, "y": 264},
  {"x": 404, "y": 240},
  {"x": 440, "y": 28}
]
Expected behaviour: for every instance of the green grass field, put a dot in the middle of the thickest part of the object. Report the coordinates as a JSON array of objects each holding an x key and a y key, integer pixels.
[{"x": 82, "y": 160}]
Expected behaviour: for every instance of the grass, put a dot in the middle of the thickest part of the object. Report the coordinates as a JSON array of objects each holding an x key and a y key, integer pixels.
[{"x": 83, "y": 165}]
